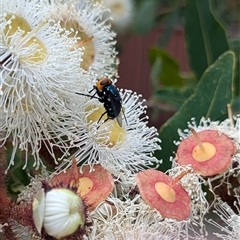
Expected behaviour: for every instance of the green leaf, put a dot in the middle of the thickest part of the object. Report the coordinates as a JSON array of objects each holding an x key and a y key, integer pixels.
[
  {"x": 212, "y": 94},
  {"x": 235, "y": 46},
  {"x": 175, "y": 96},
  {"x": 205, "y": 38},
  {"x": 17, "y": 177},
  {"x": 165, "y": 70}
]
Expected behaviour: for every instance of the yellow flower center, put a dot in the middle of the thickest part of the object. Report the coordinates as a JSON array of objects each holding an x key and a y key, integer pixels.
[
  {"x": 117, "y": 8},
  {"x": 15, "y": 24},
  {"x": 165, "y": 191},
  {"x": 86, "y": 42},
  {"x": 202, "y": 155},
  {"x": 111, "y": 135},
  {"x": 85, "y": 186}
]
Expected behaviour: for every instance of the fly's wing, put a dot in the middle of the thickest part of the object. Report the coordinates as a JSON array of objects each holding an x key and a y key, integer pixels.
[
  {"x": 119, "y": 119},
  {"x": 123, "y": 112},
  {"x": 120, "y": 116}
]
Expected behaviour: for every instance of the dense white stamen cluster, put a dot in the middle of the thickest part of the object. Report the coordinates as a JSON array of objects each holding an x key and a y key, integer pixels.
[
  {"x": 86, "y": 19},
  {"x": 37, "y": 64},
  {"x": 133, "y": 219},
  {"x": 192, "y": 183},
  {"x": 132, "y": 153}
]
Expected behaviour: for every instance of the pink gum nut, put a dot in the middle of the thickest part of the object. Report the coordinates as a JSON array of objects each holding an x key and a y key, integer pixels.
[
  {"x": 92, "y": 186},
  {"x": 213, "y": 156},
  {"x": 163, "y": 193}
]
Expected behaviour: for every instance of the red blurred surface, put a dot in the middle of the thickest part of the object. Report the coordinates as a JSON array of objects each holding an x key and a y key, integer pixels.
[{"x": 134, "y": 69}]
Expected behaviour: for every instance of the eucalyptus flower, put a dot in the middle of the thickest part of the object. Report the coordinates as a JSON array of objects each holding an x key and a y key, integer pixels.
[
  {"x": 193, "y": 183},
  {"x": 229, "y": 129},
  {"x": 175, "y": 195},
  {"x": 87, "y": 22},
  {"x": 133, "y": 219},
  {"x": 124, "y": 215},
  {"x": 121, "y": 12},
  {"x": 38, "y": 68},
  {"x": 117, "y": 148}
]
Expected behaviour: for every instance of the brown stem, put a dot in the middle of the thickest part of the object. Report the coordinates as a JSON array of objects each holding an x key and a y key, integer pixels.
[{"x": 178, "y": 178}]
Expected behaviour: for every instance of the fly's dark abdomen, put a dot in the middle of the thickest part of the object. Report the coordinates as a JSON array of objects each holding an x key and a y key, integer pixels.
[
  {"x": 112, "y": 101},
  {"x": 110, "y": 110}
]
